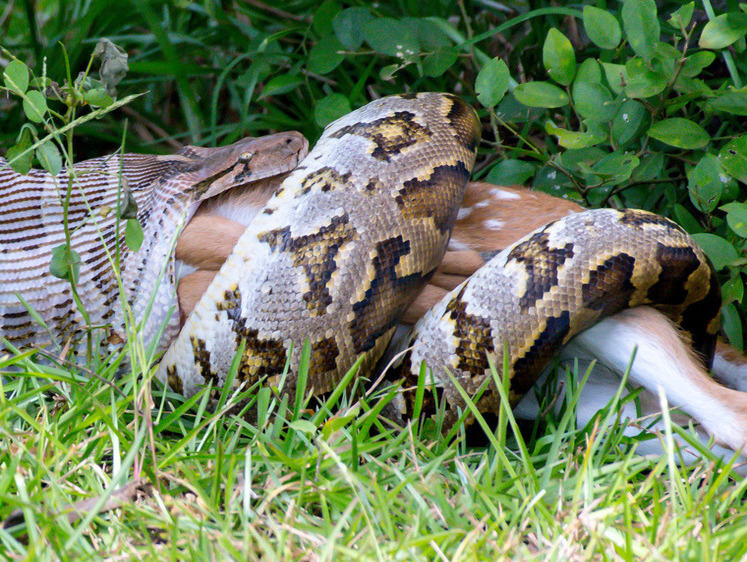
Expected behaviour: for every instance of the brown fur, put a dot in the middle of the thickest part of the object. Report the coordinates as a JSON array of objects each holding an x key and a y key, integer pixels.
[
  {"x": 730, "y": 354},
  {"x": 191, "y": 288},
  {"x": 207, "y": 241},
  {"x": 517, "y": 215},
  {"x": 426, "y": 300}
]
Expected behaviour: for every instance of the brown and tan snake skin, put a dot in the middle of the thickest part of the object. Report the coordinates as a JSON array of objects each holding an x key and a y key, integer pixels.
[{"x": 357, "y": 229}]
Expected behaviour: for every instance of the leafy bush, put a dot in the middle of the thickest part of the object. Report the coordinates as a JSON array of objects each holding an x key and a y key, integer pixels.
[{"x": 640, "y": 104}]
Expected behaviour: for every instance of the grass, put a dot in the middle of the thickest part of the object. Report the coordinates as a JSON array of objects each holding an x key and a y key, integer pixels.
[
  {"x": 119, "y": 471},
  {"x": 92, "y": 466}
]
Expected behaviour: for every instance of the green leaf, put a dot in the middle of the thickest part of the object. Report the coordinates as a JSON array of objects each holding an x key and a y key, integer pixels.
[
  {"x": 641, "y": 26},
  {"x": 278, "y": 85},
  {"x": 689, "y": 88},
  {"x": 642, "y": 81},
  {"x": 616, "y": 167},
  {"x": 558, "y": 57},
  {"x": 616, "y": 76},
  {"x": 572, "y": 160},
  {"x": 593, "y": 101},
  {"x": 733, "y": 158},
  {"x": 49, "y": 157},
  {"x": 550, "y": 180},
  {"x": 40, "y": 83},
  {"x": 348, "y": 26},
  {"x": 303, "y": 426},
  {"x": 430, "y": 36},
  {"x": 732, "y": 290},
  {"x": 335, "y": 424},
  {"x": 510, "y": 172},
  {"x": 325, "y": 56},
  {"x": 681, "y": 17},
  {"x": 21, "y": 165},
  {"x": 723, "y": 30},
  {"x": 439, "y": 61},
  {"x": 736, "y": 217},
  {"x": 686, "y": 219},
  {"x": 696, "y": 62},
  {"x": 629, "y": 122},
  {"x": 65, "y": 263},
  {"x": 706, "y": 183},
  {"x": 387, "y": 72},
  {"x": 35, "y": 106},
  {"x": 540, "y": 94},
  {"x": 16, "y": 76},
  {"x": 572, "y": 139},
  {"x": 133, "y": 234},
  {"x": 491, "y": 83},
  {"x": 602, "y": 27},
  {"x": 391, "y": 37},
  {"x": 322, "y": 21},
  {"x": 651, "y": 167},
  {"x": 589, "y": 71},
  {"x": 679, "y": 132},
  {"x": 330, "y": 108},
  {"x": 731, "y": 323},
  {"x": 719, "y": 251},
  {"x": 734, "y": 102},
  {"x": 98, "y": 98}
]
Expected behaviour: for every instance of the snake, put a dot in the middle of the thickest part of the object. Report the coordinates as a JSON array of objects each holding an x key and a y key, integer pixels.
[
  {"x": 323, "y": 273},
  {"x": 39, "y": 309}
]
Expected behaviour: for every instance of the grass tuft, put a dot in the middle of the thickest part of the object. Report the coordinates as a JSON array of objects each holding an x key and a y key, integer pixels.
[{"x": 89, "y": 470}]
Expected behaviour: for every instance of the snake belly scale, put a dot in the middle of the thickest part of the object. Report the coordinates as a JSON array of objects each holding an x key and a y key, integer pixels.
[{"x": 340, "y": 250}]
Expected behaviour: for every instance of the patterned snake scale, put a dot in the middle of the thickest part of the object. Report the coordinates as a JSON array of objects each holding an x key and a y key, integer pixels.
[
  {"x": 339, "y": 251},
  {"x": 537, "y": 294},
  {"x": 357, "y": 229},
  {"x": 167, "y": 190},
  {"x": 343, "y": 247}
]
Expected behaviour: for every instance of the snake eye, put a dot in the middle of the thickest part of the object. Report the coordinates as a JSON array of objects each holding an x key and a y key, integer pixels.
[{"x": 246, "y": 157}]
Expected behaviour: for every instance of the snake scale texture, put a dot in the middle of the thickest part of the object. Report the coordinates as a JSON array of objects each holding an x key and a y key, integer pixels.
[
  {"x": 346, "y": 243},
  {"x": 166, "y": 189},
  {"x": 339, "y": 252}
]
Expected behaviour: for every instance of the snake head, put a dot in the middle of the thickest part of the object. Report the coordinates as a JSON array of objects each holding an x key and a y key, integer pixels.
[{"x": 248, "y": 160}]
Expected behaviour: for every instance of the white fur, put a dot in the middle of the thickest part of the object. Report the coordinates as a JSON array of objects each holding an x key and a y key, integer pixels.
[
  {"x": 658, "y": 366},
  {"x": 494, "y": 224},
  {"x": 463, "y": 213},
  {"x": 502, "y": 194},
  {"x": 458, "y": 245}
]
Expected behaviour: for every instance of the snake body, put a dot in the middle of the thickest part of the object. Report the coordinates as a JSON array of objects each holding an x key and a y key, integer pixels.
[
  {"x": 346, "y": 243},
  {"x": 536, "y": 295},
  {"x": 167, "y": 190},
  {"x": 339, "y": 252}
]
